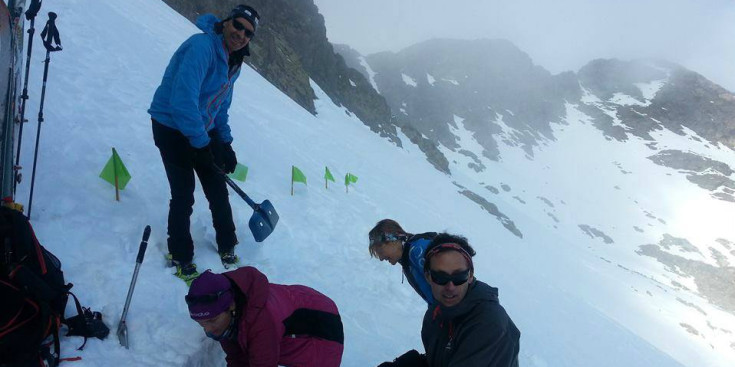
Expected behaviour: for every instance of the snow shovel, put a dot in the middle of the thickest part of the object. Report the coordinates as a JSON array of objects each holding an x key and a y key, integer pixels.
[
  {"x": 122, "y": 328},
  {"x": 264, "y": 217}
]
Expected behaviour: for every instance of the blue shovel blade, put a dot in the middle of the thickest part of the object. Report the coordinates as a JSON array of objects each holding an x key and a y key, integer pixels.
[{"x": 263, "y": 221}]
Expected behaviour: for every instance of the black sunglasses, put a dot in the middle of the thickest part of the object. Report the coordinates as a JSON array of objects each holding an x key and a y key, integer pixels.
[
  {"x": 204, "y": 299},
  {"x": 442, "y": 278},
  {"x": 240, "y": 27}
]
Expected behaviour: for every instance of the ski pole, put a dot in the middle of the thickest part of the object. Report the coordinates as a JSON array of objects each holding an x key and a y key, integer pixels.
[
  {"x": 49, "y": 35},
  {"x": 30, "y": 15},
  {"x": 122, "y": 328}
]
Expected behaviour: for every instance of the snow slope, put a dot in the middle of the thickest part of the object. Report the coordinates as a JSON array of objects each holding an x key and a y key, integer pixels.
[{"x": 572, "y": 309}]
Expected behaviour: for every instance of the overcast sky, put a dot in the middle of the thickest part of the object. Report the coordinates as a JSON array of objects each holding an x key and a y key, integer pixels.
[{"x": 559, "y": 35}]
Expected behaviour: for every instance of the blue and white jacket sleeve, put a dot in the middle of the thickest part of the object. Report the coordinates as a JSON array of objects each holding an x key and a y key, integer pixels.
[
  {"x": 186, "y": 86},
  {"x": 416, "y": 258}
]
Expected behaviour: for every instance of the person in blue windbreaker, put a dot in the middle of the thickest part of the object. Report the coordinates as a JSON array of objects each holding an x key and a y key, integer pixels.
[
  {"x": 389, "y": 242},
  {"x": 192, "y": 131}
]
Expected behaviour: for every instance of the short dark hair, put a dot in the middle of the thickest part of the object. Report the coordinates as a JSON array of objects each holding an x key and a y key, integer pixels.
[
  {"x": 383, "y": 227},
  {"x": 444, "y": 238}
]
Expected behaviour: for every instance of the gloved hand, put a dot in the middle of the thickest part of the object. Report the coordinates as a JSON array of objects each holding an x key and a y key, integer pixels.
[
  {"x": 412, "y": 358},
  {"x": 229, "y": 160},
  {"x": 203, "y": 157}
]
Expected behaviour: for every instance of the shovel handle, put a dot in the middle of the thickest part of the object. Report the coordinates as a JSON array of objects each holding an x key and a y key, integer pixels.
[
  {"x": 236, "y": 188},
  {"x": 143, "y": 244}
]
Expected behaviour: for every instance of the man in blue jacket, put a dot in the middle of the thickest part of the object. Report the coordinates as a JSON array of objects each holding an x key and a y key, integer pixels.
[{"x": 191, "y": 129}]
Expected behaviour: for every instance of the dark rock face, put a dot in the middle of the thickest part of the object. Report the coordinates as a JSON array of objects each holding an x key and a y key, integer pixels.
[
  {"x": 704, "y": 172},
  {"x": 492, "y": 209},
  {"x": 690, "y": 100},
  {"x": 430, "y": 148},
  {"x": 291, "y": 46},
  {"x": 351, "y": 57},
  {"x": 594, "y": 232}
]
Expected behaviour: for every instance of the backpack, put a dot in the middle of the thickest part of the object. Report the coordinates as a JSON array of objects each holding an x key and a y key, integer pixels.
[{"x": 33, "y": 291}]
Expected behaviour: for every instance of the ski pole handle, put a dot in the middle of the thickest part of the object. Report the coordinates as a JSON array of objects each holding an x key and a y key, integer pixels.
[
  {"x": 33, "y": 9},
  {"x": 143, "y": 244},
  {"x": 50, "y": 34}
]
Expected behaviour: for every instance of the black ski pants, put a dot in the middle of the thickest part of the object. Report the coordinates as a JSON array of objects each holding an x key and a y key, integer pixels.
[{"x": 179, "y": 161}]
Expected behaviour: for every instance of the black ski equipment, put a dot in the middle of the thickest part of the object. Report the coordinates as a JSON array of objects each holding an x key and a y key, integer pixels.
[{"x": 52, "y": 42}]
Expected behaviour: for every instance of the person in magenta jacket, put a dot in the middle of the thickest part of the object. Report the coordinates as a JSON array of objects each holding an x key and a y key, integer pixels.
[{"x": 261, "y": 324}]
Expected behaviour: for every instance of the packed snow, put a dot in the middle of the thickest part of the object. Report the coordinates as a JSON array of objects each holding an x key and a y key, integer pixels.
[{"x": 573, "y": 308}]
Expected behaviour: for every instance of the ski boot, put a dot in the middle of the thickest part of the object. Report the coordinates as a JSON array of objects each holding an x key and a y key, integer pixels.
[
  {"x": 186, "y": 272},
  {"x": 229, "y": 259}
]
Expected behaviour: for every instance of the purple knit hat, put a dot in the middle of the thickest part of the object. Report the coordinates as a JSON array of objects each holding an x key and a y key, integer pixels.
[{"x": 209, "y": 295}]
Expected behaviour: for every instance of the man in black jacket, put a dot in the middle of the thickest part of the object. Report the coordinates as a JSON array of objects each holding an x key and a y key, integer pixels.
[{"x": 468, "y": 327}]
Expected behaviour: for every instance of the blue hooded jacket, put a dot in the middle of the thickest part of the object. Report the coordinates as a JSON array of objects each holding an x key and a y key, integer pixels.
[
  {"x": 196, "y": 90},
  {"x": 412, "y": 263}
]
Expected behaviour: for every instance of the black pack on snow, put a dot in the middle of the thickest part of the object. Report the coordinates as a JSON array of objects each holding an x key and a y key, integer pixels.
[
  {"x": 86, "y": 323},
  {"x": 33, "y": 291}
]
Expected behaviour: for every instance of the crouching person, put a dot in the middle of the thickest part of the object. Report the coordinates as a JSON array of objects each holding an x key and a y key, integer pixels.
[{"x": 260, "y": 324}]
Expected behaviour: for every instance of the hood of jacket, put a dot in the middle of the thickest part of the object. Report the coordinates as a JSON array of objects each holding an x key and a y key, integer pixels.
[
  {"x": 255, "y": 286},
  {"x": 206, "y": 23}
]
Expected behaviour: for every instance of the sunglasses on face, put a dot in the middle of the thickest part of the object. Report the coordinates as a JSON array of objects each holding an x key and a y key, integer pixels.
[
  {"x": 383, "y": 238},
  {"x": 442, "y": 278},
  {"x": 204, "y": 299},
  {"x": 240, "y": 27}
]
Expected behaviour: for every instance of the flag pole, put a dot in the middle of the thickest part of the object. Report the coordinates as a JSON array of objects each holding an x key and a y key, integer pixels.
[
  {"x": 114, "y": 168},
  {"x": 291, "y": 180}
]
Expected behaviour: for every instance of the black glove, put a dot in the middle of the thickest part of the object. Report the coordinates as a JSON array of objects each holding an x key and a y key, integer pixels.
[
  {"x": 229, "y": 160},
  {"x": 203, "y": 157},
  {"x": 412, "y": 358}
]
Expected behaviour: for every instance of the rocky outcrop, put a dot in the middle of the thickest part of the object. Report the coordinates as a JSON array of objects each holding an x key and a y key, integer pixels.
[
  {"x": 715, "y": 283},
  {"x": 704, "y": 172},
  {"x": 683, "y": 99}
]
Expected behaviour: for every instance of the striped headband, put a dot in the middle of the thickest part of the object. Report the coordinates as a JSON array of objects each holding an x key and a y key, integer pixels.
[{"x": 448, "y": 247}]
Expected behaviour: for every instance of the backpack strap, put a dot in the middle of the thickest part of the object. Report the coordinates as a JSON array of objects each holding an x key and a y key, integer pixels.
[
  {"x": 76, "y": 303},
  {"x": 79, "y": 316},
  {"x": 37, "y": 247}
]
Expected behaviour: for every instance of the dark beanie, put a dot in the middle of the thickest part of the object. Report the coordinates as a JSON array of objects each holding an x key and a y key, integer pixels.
[
  {"x": 246, "y": 12},
  {"x": 209, "y": 295}
]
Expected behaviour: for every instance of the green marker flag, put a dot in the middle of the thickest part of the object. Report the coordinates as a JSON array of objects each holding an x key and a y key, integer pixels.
[
  {"x": 115, "y": 173},
  {"x": 240, "y": 174},
  {"x": 296, "y": 176},
  {"x": 327, "y": 176},
  {"x": 349, "y": 178}
]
